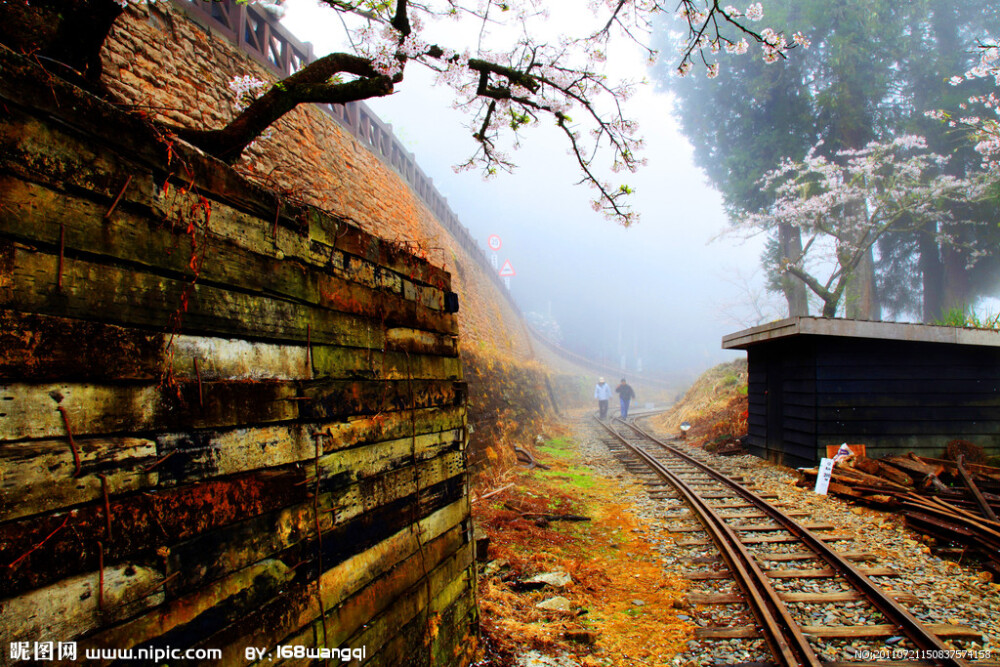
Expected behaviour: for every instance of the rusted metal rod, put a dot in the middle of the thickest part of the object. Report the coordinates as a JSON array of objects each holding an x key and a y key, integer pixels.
[
  {"x": 62, "y": 253},
  {"x": 114, "y": 204},
  {"x": 72, "y": 443},
  {"x": 976, "y": 493},
  {"x": 38, "y": 546}
]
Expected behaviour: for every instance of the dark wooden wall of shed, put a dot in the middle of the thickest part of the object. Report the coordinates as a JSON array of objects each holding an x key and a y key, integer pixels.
[
  {"x": 898, "y": 396},
  {"x": 226, "y": 421},
  {"x": 782, "y": 402},
  {"x": 807, "y": 392}
]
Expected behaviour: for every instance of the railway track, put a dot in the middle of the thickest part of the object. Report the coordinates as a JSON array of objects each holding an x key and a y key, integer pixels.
[{"x": 762, "y": 548}]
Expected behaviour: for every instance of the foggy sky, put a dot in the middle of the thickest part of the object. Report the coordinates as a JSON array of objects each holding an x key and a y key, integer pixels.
[{"x": 671, "y": 293}]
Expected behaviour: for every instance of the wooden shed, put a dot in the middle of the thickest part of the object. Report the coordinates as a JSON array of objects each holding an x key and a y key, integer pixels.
[{"x": 894, "y": 387}]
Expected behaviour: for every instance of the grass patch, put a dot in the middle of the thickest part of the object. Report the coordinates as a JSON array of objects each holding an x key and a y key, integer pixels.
[
  {"x": 572, "y": 477},
  {"x": 558, "y": 448}
]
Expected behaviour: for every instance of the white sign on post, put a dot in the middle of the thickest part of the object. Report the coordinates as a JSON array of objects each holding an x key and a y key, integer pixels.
[
  {"x": 495, "y": 244},
  {"x": 825, "y": 473},
  {"x": 506, "y": 271}
]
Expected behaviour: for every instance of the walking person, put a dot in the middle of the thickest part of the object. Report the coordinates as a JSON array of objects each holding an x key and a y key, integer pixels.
[
  {"x": 625, "y": 396},
  {"x": 602, "y": 392}
]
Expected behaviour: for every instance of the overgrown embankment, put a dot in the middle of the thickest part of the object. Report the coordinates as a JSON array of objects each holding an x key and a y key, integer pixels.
[
  {"x": 508, "y": 405},
  {"x": 715, "y": 406}
]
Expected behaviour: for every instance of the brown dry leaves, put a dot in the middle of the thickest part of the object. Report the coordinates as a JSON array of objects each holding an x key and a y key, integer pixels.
[{"x": 609, "y": 558}]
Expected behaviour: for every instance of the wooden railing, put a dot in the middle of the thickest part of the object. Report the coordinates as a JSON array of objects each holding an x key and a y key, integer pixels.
[{"x": 259, "y": 34}]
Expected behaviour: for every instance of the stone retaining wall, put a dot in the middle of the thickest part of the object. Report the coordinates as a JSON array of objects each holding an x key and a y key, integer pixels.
[{"x": 178, "y": 71}]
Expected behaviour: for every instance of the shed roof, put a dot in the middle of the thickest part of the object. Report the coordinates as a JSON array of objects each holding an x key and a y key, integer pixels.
[{"x": 819, "y": 326}]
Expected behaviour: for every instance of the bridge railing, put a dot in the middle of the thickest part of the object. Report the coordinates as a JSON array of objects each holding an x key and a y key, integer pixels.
[{"x": 258, "y": 33}]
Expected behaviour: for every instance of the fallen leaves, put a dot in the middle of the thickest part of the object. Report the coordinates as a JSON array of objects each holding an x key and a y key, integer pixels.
[{"x": 610, "y": 560}]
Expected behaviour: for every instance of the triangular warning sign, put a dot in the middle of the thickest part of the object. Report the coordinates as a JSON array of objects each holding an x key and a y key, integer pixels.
[{"x": 506, "y": 270}]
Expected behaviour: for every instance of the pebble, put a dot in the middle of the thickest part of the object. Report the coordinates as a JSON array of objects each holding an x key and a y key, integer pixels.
[
  {"x": 557, "y": 603},
  {"x": 554, "y": 579},
  {"x": 536, "y": 659}
]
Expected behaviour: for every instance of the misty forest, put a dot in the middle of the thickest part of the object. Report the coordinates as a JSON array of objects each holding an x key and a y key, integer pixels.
[
  {"x": 500, "y": 334},
  {"x": 903, "y": 241}
]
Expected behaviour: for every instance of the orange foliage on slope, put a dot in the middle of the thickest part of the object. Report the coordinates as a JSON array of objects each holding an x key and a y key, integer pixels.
[{"x": 716, "y": 407}]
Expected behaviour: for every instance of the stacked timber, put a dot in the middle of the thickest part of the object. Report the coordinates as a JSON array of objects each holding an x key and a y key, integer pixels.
[
  {"x": 949, "y": 500},
  {"x": 226, "y": 421}
]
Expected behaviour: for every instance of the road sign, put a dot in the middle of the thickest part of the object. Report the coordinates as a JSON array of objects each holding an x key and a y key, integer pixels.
[
  {"x": 506, "y": 271},
  {"x": 494, "y": 242}
]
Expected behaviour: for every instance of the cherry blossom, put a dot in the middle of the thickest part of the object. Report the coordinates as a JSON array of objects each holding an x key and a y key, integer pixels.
[
  {"x": 717, "y": 28},
  {"x": 246, "y": 89},
  {"x": 985, "y": 128},
  {"x": 755, "y": 12}
]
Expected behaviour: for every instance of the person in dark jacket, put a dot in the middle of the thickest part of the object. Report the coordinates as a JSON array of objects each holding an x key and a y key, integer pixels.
[{"x": 625, "y": 396}]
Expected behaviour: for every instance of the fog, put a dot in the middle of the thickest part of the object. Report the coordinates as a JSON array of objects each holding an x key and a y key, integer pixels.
[{"x": 662, "y": 291}]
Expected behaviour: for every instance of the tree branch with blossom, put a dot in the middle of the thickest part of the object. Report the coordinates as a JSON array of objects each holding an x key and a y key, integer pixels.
[
  {"x": 523, "y": 81},
  {"x": 984, "y": 129}
]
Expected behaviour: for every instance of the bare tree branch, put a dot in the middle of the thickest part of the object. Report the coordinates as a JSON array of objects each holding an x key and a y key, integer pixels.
[{"x": 311, "y": 84}]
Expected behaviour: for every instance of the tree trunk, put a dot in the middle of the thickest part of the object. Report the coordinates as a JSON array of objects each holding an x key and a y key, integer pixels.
[
  {"x": 956, "y": 280},
  {"x": 830, "y": 308},
  {"x": 932, "y": 273},
  {"x": 309, "y": 84},
  {"x": 790, "y": 239},
  {"x": 861, "y": 295},
  {"x": 955, "y": 287}
]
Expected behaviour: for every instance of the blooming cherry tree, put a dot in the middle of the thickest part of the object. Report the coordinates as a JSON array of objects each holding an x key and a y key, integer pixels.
[
  {"x": 842, "y": 206},
  {"x": 518, "y": 71}
]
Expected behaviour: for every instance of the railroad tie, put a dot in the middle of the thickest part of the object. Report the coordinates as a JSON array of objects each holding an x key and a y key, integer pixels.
[
  {"x": 803, "y": 573},
  {"x": 943, "y": 630},
  {"x": 814, "y": 598}
]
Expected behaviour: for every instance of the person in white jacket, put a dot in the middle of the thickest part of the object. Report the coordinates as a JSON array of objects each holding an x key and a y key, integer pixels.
[{"x": 602, "y": 392}]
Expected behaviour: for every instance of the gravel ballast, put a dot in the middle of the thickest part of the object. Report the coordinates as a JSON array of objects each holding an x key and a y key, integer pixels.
[{"x": 948, "y": 591}]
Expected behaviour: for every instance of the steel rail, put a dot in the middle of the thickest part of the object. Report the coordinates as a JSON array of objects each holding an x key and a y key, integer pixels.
[
  {"x": 909, "y": 626},
  {"x": 781, "y": 633}
]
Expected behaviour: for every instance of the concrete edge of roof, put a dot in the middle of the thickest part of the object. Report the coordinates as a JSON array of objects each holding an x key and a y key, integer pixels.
[{"x": 820, "y": 326}]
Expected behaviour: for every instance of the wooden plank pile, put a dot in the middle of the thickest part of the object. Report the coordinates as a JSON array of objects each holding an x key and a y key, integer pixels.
[{"x": 948, "y": 500}]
